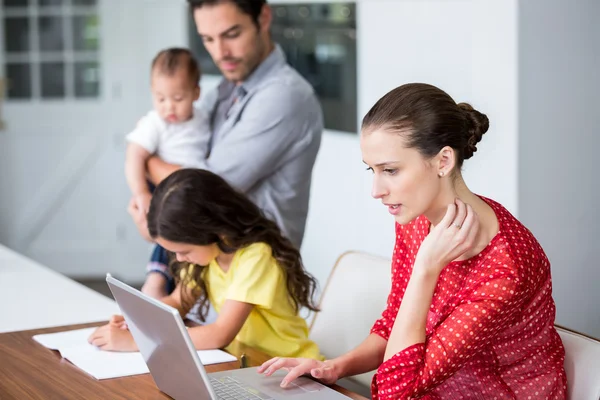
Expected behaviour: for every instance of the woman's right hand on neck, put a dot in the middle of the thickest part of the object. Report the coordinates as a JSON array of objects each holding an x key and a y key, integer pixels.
[{"x": 450, "y": 239}]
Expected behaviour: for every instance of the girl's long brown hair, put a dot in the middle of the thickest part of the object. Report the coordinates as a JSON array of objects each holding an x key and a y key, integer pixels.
[{"x": 197, "y": 207}]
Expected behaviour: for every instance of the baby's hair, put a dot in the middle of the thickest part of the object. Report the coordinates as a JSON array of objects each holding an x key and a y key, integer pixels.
[{"x": 170, "y": 60}]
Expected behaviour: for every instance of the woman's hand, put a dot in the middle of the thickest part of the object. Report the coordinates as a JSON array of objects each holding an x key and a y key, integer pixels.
[
  {"x": 112, "y": 337},
  {"x": 453, "y": 237},
  {"x": 321, "y": 370}
]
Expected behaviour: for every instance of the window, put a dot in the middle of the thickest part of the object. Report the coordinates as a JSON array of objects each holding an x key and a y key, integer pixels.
[{"x": 51, "y": 48}]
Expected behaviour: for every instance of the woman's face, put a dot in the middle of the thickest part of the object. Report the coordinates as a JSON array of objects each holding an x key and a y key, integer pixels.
[
  {"x": 405, "y": 182},
  {"x": 191, "y": 253}
]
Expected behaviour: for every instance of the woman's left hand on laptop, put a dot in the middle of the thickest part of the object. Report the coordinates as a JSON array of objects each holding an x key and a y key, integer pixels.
[{"x": 296, "y": 367}]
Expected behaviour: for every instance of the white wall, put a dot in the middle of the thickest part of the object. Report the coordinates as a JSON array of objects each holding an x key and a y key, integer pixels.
[
  {"x": 63, "y": 195},
  {"x": 538, "y": 162},
  {"x": 559, "y": 190},
  {"x": 468, "y": 48}
]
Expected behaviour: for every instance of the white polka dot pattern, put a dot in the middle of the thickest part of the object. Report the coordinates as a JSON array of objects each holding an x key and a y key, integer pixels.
[{"x": 490, "y": 329}]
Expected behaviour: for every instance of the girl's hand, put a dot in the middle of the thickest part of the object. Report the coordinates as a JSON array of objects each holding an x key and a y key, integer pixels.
[
  {"x": 118, "y": 321},
  {"x": 112, "y": 338},
  {"x": 451, "y": 238},
  {"x": 297, "y": 367}
]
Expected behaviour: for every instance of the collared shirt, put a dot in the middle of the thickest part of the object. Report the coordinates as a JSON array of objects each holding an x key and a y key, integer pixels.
[
  {"x": 266, "y": 133},
  {"x": 229, "y": 94}
]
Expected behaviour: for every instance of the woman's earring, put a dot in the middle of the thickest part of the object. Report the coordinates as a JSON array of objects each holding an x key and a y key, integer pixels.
[{"x": 441, "y": 174}]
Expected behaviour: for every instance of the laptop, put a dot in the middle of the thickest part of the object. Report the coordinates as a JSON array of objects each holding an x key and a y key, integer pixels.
[{"x": 163, "y": 341}]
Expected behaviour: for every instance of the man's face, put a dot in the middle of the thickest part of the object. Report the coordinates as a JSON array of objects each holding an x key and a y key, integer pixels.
[{"x": 234, "y": 42}]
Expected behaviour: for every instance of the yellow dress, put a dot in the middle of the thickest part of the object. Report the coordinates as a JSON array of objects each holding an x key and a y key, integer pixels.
[{"x": 273, "y": 326}]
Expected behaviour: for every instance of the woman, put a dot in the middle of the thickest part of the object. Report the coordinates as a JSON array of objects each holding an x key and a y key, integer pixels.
[
  {"x": 470, "y": 314},
  {"x": 228, "y": 253}
]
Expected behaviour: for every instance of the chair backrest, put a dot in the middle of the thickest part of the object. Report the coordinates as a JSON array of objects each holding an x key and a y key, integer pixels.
[
  {"x": 352, "y": 300},
  {"x": 356, "y": 293},
  {"x": 582, "y": 364}
]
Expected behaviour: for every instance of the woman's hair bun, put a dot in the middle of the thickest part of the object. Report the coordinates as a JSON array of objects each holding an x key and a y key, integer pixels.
[{"x": 476, "y": 125}]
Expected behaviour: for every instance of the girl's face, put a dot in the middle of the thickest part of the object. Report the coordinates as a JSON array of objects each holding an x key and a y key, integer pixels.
[
  {"x": 406, "y": 183},
  {"x": 191, "y": 253}
]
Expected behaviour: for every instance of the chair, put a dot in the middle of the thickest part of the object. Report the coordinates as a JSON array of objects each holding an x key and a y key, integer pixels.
[
  {"x": 582, "y": 364},
  {"x": 353, "y": 298},
  {"x": 356, "y": 293}
]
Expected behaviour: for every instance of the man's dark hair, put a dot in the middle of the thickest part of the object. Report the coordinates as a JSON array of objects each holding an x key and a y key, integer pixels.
[{"x": 250, "y": 7}]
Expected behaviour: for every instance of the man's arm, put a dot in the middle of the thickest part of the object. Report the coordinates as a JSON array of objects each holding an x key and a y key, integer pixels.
[
  {"x": 273, "y": 126},
  {"x": 159, "y": 170}
]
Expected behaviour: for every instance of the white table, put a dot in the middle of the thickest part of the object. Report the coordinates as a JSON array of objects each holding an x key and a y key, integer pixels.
[{"x": 33, "y": 296}]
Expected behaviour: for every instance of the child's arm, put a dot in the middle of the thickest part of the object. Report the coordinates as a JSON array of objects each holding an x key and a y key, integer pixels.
[
  {"x": 174, "y": 299},
  {"x": 159, "y": 169},
  {"x": 135, "y": 173},
  {"x": 155, "y": 285},
  {"x": 219, "y": 334}
]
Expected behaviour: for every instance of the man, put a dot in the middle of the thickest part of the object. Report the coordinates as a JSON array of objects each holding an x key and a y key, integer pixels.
[{"x": 266, "y": 121}]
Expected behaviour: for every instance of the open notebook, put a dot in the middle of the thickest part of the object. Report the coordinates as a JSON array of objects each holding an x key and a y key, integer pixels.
[{"x": 74, "y": 347}]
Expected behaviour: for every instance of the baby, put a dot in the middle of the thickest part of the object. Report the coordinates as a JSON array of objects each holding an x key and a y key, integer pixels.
[{"x": 174, "y": 130}]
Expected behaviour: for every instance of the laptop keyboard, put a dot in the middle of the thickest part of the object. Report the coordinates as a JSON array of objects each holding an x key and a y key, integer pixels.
[{"x": 229, "y": 388}]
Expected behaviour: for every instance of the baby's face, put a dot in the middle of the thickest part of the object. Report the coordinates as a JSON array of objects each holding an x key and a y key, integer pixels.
[{"x": 173, "y": 96}]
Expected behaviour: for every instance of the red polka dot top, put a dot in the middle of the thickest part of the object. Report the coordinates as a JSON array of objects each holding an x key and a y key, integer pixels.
[{"x": 490, "y": 329}]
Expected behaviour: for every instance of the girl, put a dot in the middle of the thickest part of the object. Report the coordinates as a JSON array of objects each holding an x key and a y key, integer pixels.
[
  {"x": 470, "y": 314},
  {"x": 230, "y": 255}
]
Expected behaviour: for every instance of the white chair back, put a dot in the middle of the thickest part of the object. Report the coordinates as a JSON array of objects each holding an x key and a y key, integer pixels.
[
  {"x": 356, "y": 293},
  {"x": 352, "y": 300},
  {"x": 582, "y": 364}
]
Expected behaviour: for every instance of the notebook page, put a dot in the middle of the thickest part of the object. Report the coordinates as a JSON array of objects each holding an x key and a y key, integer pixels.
[{"x": 74, "y": 347}]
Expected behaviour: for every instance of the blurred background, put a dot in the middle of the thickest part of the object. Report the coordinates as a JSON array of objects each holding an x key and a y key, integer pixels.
[{"x": 75, "y": 79}]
